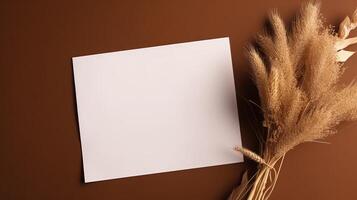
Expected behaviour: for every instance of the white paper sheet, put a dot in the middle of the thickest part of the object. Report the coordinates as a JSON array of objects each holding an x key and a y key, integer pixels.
[{"x": 157, "y": 109}]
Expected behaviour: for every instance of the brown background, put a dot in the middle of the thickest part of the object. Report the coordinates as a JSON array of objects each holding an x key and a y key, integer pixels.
[{"x": 40, "y": 155}]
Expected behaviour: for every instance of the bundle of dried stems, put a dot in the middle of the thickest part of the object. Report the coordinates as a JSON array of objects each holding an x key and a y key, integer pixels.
[{"x": 296, "y": 72}]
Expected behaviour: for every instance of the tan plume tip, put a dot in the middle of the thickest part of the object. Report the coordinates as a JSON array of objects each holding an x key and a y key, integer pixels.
[
  {"x": 354, "y": 16},
  {"x": 347, "y": 25},
  {"x": 344, "y": 28},
  {"x": 251, "y": 155}
]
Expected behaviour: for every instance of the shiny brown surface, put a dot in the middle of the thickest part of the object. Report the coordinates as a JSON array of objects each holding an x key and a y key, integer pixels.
[{"x": 40, "y": 154}]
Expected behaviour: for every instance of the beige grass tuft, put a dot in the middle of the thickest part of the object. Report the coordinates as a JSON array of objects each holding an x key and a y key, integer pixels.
[{"x": 297, "y": 72}]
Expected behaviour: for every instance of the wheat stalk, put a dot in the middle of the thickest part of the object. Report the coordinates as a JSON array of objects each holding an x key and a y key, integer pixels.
[{"x": 297, "y": 73}]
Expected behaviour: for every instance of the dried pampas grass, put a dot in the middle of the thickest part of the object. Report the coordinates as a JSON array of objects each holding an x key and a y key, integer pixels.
[{"x": 296, "y": 72}]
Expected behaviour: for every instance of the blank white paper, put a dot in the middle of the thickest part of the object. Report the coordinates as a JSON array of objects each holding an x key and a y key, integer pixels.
[{"x": 157, "y": 109}]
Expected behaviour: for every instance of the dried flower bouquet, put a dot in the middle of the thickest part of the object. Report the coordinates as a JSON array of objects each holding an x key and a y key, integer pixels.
[{"x": 296, "y": 72}]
